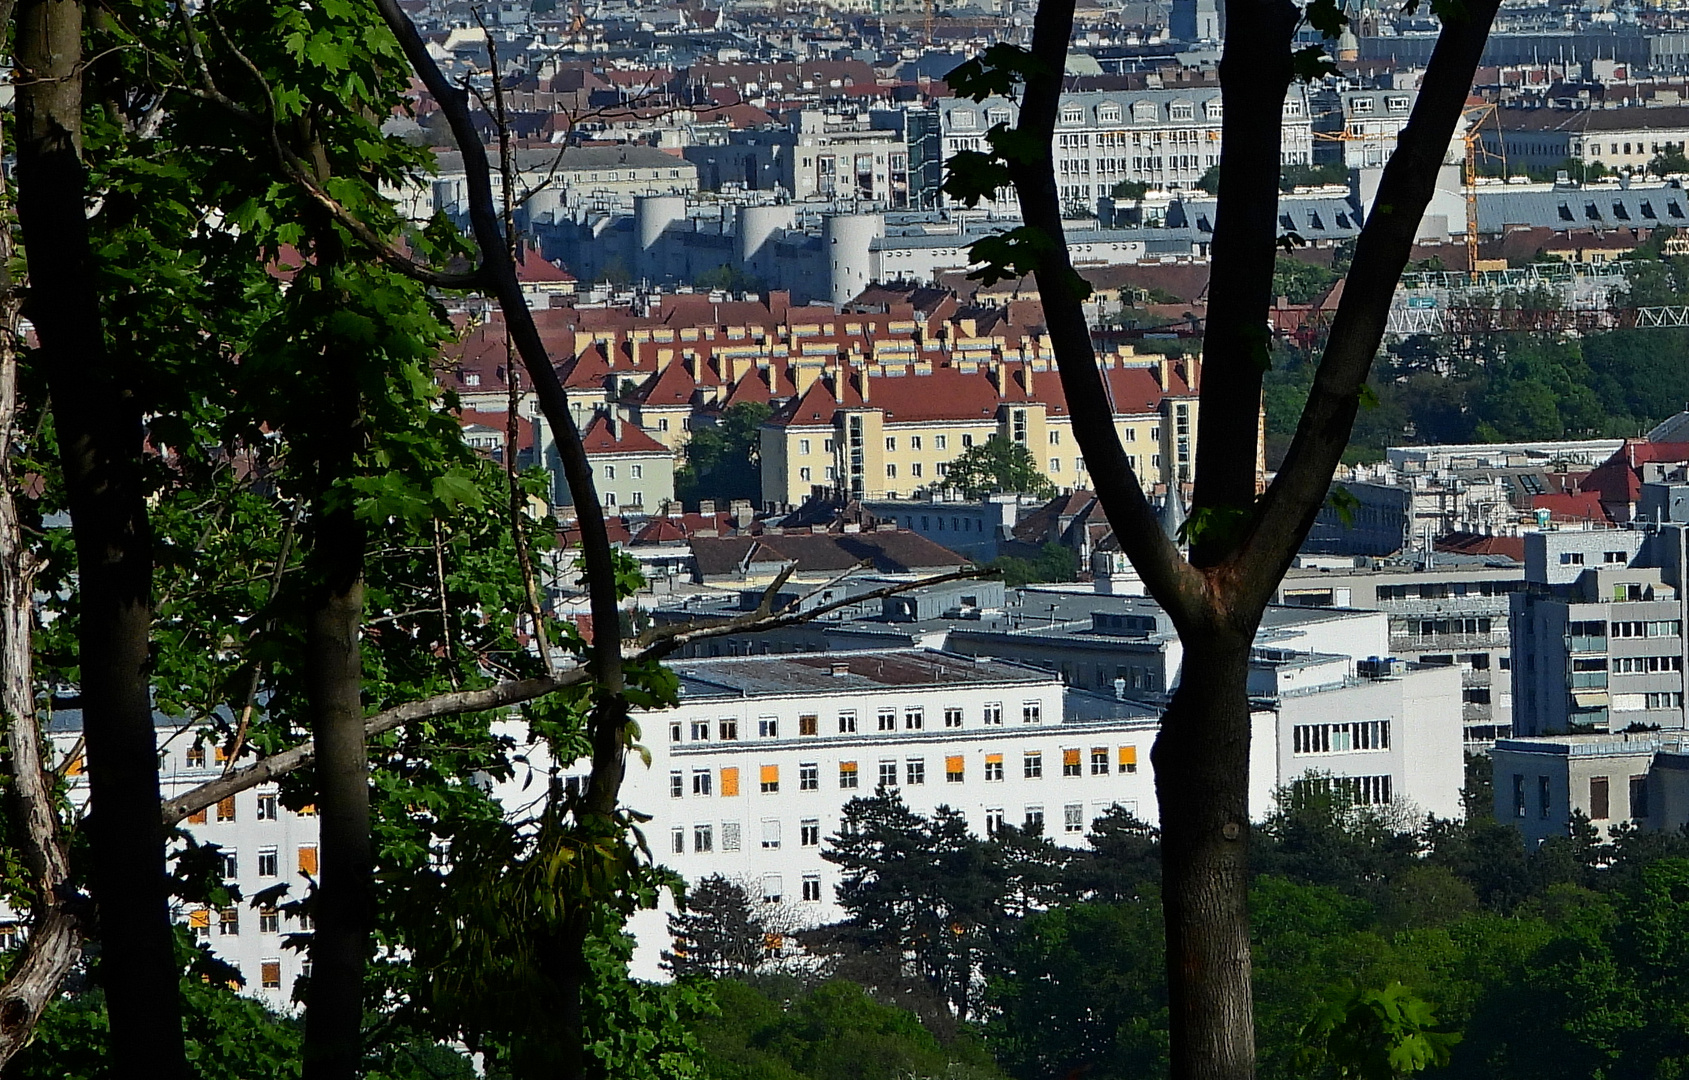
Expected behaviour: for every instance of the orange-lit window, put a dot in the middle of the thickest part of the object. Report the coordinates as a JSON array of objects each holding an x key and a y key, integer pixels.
[
  {"x": 1128, "y": 759},
  {"x": 730, "y": 781},
  {"x": 953, "y": 772},
  {"x": 226, "y": 809},
  {"x": 308, "y": 859},
  {"x": 770, "y": 778}
]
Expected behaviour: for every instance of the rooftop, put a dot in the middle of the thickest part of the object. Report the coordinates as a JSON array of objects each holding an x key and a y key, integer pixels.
[{"x": 848, "y": 672}]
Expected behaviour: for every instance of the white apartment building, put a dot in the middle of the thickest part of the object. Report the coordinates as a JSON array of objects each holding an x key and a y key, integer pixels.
[
  {"x": 1164, "y": 138},
  {"x": 263, "y": 844}
]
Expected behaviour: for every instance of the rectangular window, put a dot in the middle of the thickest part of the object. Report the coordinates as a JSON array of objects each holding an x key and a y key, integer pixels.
[
  {"x": 915, "y": 771},
  {"x": 847, "y": 774},
  {"x": 768, "y": 727},
  {"x": 847, "y": 723},
  {"x": 1518, "y": 795},
  {"x": 772, "y": 889},
  {"x": 812, "y": 888},
  {"x": 267, "y": 862},
  {"x": 952, "y": 718},
  {"x": 308, "y": 859},
  {"x": 269, "y": 974},
  {"x": 677, "y": 840},
  {"x": 197, "y": 817},
  {"x": 1099, "y": 761},
  {"x": 1073, "y": 817},
  {"x": 700, "y": 731},
  {"x": 729, "y": 781},
  {"x": 1599, "y": 807},
  {"x": 809, "y": 776},
  {"x": 677, "y": 783},
  {"x": 809, "y": 832},
  {"x": 199, "y": 924},
  {"x": 269, "y": 920},
  {"x": 703, "y": 838},
  {"x": 954, "y": 773},
  {"x": 770, "y": 833},
  {"x": 1033, "y": 822},
  {"x": 994, "y": 766},
  {"x": 729, "y": 729},
  {"x": 228, "y": 922},
  {"x": 888, "y": 720},
  {"x": 940, "y": 442},
  {"x": 702, "y": 781},
  {"x": 993, "y": 820},
  {"x": 888, "y": 774},
  {"x": 226, "y": 809},
  {"x": 1070, "y": 764},
  {"x": 1031, "y": 712},
  {"x": 1032, "y": 764},
  {"x": 231, "y": 865},
  {"x": 914, "y": 719},
  {"x": 809, "y": 724},
  {"x": 730, "y": 836},
  {"x": 1639, "y": 797},
  {"x": 1545, "y": 798},
  {"x": 1128, "y": 759},
  {"x": 994, "y": 713},
  {"x": 196, "y": 756},
  {"x": 266, "y": 808},
  {"x": 770, "y": 779}
]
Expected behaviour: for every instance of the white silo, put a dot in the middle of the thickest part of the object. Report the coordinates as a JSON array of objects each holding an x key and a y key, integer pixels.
[
  {"x": 846, "y": 240},
  {"x": 757, "y": 227},
  {"x": 652, "y": 215}
]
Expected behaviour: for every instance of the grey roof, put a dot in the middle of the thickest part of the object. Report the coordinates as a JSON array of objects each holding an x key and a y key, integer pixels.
[
  {"x": 832, "y": 672},
  {"x": 1583, "y": 208},
  {"x": 574, "y": 158},
  {"x": 1673, "y": 429}
]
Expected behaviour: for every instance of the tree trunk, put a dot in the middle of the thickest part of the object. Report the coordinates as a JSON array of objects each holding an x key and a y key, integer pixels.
[
  {"x": 100, "y": 443},
  {"x": 1201, "y": 762},
  {"x": 344, "y": 903},
  {"x": 55, "y": 938}
]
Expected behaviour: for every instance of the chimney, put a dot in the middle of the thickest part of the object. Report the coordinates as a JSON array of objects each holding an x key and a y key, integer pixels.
[
  {"x": 803, "y": 375},
  {"x": 839, "y": 667},
  {"x": 615, "y": 426},
  {"x": 1164, "y": 373},
  {"x": 1026, "y": 375},
  {"x": 999, "y": 376},
  {"x": 862, "y": 382},
  {"x": 706, "y": 507},
  {"x": 695, "y": 367}
]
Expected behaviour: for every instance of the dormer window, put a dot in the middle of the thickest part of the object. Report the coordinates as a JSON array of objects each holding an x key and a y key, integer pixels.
[
  {"x": 963, "y": 119},
  {"x": 1396, "y": 104},
  {"x": 1072, "y": 114},
  {"x": 1361, "y": 106},
  {"x": 1144, "y": 112},
  {"x": 993, "y": 117},
  {"x": 1108, "y": 113},
  {"x": 1214, "y": 110},
  {"x": 1181, "y": 110}
]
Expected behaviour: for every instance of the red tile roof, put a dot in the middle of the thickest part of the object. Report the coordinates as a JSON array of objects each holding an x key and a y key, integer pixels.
[{"x": 600, "y": 438}]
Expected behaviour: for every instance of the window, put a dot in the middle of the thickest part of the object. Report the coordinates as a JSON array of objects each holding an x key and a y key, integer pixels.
[
  {"x": 1072, "y": 114},
  {"x": 1031, "y": 712},
  {"x": 231, "y": 865},
  {"x": 888, "y": 774},
  {"x": 677, "y": 840},
  {"x": 196, "y": 756},
  {"x": 809, "y": 724},
  {"x": 1070, "y": 765},
  {"x": 1129, "y": 759},
  {"x": 269, "y": 974},
  {"x": 702, "y": 781},
  {"x": 677, "y": 783},
  {"x": 770, "y": 777},
  {"x": 914, "y": 719},
  {"x": 888, "y": 720},
  {"x": 803, "y": 446},
  {"x": 1571, "y": 558},
  {"x": 891, "y": 472},
  {"x": 1032, "y": 764},
  {"x": 1055, "y": 439},
  {"x": 993, "y": 820},
  {"x": 1099, "y": 761},
  {"x": 1340, "y": 738},
  {"x": 1518, "y": 795},
  {"x": 915, "y": 771},
  {"x": 1545, "y": 799},
  {"x": 730, "y": 836},
  {"x": 729, "y": 729},
  {"x": 730, "y": 782},
  {"x": 703, "y": 838},
  {"x": 967, "y": 442},
  {"x": 1073, "y": 817},
  {"x": 269, "y": 920},
  {"x": 1055, "y": 464},
  {"x": 1599, "y": 807},
  {"x": 940, "y": 442},
  {"x": 914, "y": 442},
  {"x": 228, "y": 922},
  {"x": 226, "y": 809},
  {"x": 1033, "y": 821},
  {"x": 267, "y": 862},
  {"x": 674, "y": 731},
  {"x": 847, "y": 723},
  {"x": 847, "y": 774},
  {"x": 197, "y": 817},
  {"x": 891, "y": 446},
  {"x": 1614, "y": 557},
  {"x": 266, "y": 808},
  {"x": 199, "y": 924},
  {"x": 638, "y": 473},
  {"x": 952, "y": 718},
  {"x": 994, "y": 713},
  {"x": 307, "y": 859},
  {"x": 772, "y": 889},
  {"x": 770, "y": 833},
  {"x": 1639, "y": 797},
  {"x": 700, "y": 731},
  {"x": 812, "y": 887},
  {"x": 809, "y": 832},
  {"x": 609, "y": 472},
  {"x": 994, "y": 766},
  {"x": 809, "y": 777},
  {"x": 768, "y": 727},
  {"x": 954, "y": 769}
]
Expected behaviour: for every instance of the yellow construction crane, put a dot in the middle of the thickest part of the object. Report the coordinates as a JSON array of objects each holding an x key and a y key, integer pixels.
[
  {"x": 931, "y": 4},
  {"x": 1476, "y": 115}
]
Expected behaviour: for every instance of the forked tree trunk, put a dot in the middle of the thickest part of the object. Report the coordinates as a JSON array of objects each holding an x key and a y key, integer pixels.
[
  {"x": 100, "y": 444},
  {"x": 1201, "y": 761}
]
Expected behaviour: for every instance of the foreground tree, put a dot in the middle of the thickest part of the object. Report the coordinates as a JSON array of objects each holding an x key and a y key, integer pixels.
[{"x": 1241, "y": 540}]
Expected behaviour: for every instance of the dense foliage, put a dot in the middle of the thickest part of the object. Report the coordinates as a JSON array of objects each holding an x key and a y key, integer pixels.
[{"x": 997, "y": 465}]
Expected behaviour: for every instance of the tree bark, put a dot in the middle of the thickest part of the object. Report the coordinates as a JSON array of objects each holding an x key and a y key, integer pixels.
[
  {"x": 100, "y": 444},
  {"x": 55, "y": 938},
  {"x": 1201, "y": 759}
]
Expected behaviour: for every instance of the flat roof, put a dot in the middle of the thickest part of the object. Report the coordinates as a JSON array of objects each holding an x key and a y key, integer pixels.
[{"x": 782, "y": 674}]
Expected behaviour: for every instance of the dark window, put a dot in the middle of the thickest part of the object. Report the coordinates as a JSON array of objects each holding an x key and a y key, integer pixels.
[
  {"x": 1599, "y": 804},
  {"x": 1639, "y": 797},
  {"x": 1518, "y": 795},
  {"x": 1543, "y": 799}
]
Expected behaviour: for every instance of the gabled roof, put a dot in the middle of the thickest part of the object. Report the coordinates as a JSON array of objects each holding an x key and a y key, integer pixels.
[
  {"x": 601, "y": 437},
  {"x": 671, "y": 386},
  {"x": 889, "y": 551}
]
